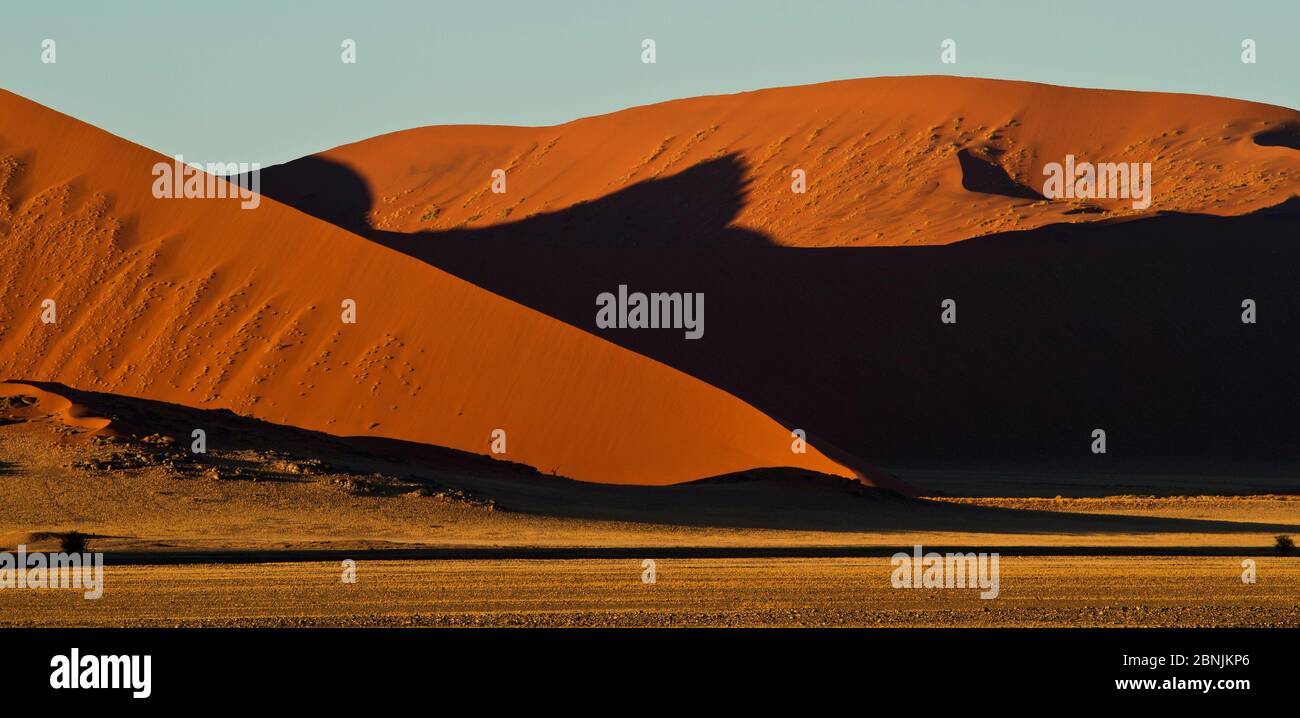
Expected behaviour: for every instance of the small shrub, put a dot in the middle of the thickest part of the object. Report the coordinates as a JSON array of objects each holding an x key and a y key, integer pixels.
[
  {"x": 74, "y": 542},
  {"x": 1284, "y": 544}
]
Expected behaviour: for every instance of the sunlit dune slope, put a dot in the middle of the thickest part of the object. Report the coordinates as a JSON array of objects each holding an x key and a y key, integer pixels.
[
  {"x": 199, "y": 302},
  {"x": 888, "y": 161}
]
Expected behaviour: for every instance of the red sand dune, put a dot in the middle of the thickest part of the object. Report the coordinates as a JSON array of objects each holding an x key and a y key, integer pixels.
[
  {"x": 1075, "y": 315},
  {"x": 881, "y": 157},
  {"x": 201, "y": 303}
]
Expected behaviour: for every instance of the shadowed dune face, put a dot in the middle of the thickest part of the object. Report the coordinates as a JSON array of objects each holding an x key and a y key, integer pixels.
[
  {"x": 198, "y": 302},
  {"x": 1287, "y": 135},
  {"x": 1130, "y": 326},
  {"x": 980, "y": 172}
]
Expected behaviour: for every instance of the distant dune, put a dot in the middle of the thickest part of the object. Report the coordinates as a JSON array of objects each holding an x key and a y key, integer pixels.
[
  {"x": 824, "y": 307},
  {"x": 889, "y": 161},
  {"x": 201, "y": 303}
]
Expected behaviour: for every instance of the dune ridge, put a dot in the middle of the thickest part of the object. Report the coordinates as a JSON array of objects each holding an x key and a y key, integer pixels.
[
  {"x": 889, "y": 161},
  {"x": 200, "y": 303}
]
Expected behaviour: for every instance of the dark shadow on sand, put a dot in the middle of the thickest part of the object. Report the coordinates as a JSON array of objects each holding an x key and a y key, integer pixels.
[
  {"x": 1130, "y": 326},
  {"x": 776, "y": 498},
  {"x": 638, "y": 553}
]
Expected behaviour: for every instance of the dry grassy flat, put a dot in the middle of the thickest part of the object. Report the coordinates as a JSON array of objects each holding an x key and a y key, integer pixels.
[
  {"x": 254, "y": 534},
  {"x": 51, "y": 482},
  {"x": 1038, "y": 591}
]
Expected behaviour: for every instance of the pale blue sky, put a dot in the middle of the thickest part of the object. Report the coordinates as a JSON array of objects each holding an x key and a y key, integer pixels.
[{"x": 261, "y": 80}]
